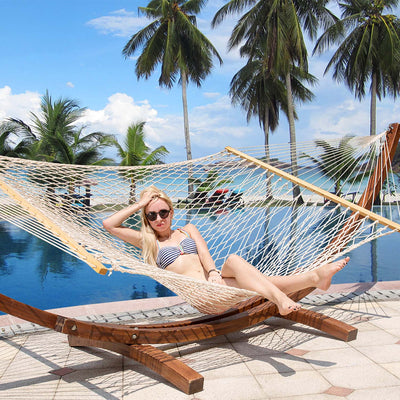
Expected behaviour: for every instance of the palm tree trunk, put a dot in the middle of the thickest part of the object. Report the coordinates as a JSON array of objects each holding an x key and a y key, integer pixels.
[
  {"x": 132, "y": 191},
  {"x": 337, "y": 188},
  {"x": 268, "y": 177},
  {"x": 293, "y": 151},
  {"x": 88, "y": 195},
  {"x": 372, "y": 124},
  {"x": 267, "y": 155},
  {"x": 186, "y": 129}
]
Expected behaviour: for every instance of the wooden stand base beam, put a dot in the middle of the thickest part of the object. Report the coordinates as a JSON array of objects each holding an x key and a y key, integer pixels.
[
  {"x": 333, "y": 327},
  {"x": 165, "y": 365}
]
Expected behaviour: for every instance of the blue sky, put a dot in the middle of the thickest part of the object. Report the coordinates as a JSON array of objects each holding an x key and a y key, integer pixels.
[{"x": 73, "y": 49}]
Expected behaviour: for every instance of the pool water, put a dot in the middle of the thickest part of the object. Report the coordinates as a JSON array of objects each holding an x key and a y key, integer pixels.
[
  {"x": 39, "y": 274},
  {"x": 34, "y": 272}
]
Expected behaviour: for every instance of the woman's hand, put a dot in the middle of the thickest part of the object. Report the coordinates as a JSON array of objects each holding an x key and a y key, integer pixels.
[
  {"x": 114, "y": 223},
  {"x": 214, "y": 276},
  {"x": 210, "y": 271},
  {"x": 147, "y": 198}
]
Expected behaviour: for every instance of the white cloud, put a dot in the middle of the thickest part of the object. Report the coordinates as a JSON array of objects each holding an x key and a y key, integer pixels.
[
  {"x": 120, "y": 112},
  {"x": 351, "y": 117},
  {"x": 218, "y": 124},
  {"x": 18, "y": 105},
  {"x": 345, "y": 118},
  {"x": 120, "y": 23},
  {"x": 70, "y": 84},
  {"x": 212, "y": 126},
  {"x": 211, "y": 95}
]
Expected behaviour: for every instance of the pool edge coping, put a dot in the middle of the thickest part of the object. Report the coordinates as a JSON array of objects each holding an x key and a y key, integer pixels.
[{"x": 174, "y": 307}]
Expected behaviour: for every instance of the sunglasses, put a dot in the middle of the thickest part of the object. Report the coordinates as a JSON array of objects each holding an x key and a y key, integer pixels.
[{"x": 152, "y": 215}]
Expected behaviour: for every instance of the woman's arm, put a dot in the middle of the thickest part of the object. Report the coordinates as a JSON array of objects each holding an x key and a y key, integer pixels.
[
  {"x": 213, "y": 275},
  {"x": 113, "y": 224}
]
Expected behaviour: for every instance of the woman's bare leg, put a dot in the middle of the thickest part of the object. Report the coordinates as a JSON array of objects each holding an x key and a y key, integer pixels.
[
  {"x": 238, "y": 272},
  {"x": 276, "y": 288},
  {"x": 320, "y": 278}
]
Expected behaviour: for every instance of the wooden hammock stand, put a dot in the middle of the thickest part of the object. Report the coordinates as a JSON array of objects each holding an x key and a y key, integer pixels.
[{"x": 135, "y": 341}]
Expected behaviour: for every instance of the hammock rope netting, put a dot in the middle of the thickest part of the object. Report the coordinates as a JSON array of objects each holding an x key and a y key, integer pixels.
[{"x": 238, "y": 206}]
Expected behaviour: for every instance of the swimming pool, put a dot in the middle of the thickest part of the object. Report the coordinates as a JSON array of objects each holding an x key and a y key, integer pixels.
[{"x": 39, "y": 274}]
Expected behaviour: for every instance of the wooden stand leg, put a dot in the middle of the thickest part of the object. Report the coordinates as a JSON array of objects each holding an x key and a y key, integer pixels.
[
  {"x": 329, "y": 325},
  {"x": 173, "y": 370}
]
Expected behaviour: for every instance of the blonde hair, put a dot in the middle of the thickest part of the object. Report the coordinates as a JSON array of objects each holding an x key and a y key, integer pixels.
[{"x": 149, "y": 237}]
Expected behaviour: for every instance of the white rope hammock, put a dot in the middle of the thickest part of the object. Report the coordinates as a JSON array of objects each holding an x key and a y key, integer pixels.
[{"x": 239, "y": 207}]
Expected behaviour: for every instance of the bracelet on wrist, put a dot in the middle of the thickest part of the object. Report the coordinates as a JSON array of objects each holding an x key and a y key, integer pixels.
[{"x": 214, "y": 270}]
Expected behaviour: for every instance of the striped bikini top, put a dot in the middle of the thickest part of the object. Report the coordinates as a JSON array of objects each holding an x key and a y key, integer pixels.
[{"x": 168, "y": 254}]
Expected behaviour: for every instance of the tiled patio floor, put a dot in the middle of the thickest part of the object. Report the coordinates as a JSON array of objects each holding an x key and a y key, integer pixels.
[{"x": 273, "y": 360}]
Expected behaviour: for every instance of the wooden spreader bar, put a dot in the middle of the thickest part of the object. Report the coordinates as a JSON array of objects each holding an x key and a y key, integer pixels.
[
  {"x": 54, "y": 229},
  {"x": 376, "y": 180},
  {"x": 135, "y": 341}
]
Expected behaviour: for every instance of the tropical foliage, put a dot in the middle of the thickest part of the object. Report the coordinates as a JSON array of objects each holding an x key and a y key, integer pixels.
[
  {"x": 270, "y": 35},
  {"x": 260, "y": 94},
  {"x": 135, "y": 152},
  {"x": 54, "y": 135},
  {"x": 368, "y": 52},
  {"x": 13, "y": 144},
  {"x": 338, "y": 163},
  {"x": 274, "y": 28},
  {"x": 263, "y": 95},
  {"x": 173, "y": 41}
]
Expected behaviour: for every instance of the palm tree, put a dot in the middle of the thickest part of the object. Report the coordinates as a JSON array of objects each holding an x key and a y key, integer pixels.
[
  {"x": 14, "y": 143},
  {"x": 80, "y": 149},
  {"x": 259, "y": 93},
  {"x": 135, "y": 152},
  {"x": 55, "y": 137},
  {"x": 57, "y": 121},
  {"x": 338, "y": 163},
  {"x": 263, "y": 95},
  {"x": 368, "y": 52},
  {"x": 173, "y": 40},
  {"x": 276, "y": 27}
]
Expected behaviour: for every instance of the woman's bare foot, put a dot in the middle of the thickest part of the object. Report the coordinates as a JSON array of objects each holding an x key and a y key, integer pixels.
[
  {"x": 326, "y": 272},
  {"x": 287, "y": 306}
]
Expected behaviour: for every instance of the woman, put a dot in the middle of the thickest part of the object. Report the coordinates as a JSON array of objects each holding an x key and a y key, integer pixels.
[{"x": 184, "y": 251}]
